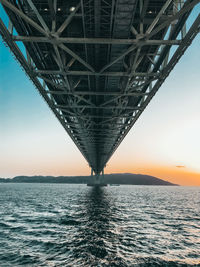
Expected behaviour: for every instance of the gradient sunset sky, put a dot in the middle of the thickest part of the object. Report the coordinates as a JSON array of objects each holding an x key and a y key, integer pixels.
[{"x": 164, "y": 142}]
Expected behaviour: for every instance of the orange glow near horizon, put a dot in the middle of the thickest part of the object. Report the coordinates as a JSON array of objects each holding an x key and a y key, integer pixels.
[{"x": 177, "y": 175}]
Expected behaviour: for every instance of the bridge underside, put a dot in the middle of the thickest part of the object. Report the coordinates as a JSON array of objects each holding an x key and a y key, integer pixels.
[{"x": 98, "y": 63}]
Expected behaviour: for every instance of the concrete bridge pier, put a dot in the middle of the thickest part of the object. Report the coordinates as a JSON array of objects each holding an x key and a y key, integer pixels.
[{"x": 97, "y": 179}]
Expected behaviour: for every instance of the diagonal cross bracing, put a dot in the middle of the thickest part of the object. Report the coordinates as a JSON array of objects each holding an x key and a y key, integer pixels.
[{"x": 98, "y": 63}]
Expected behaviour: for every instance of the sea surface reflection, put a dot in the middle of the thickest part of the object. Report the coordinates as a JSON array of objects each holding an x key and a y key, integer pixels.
[{"x": 75, "y": 225}]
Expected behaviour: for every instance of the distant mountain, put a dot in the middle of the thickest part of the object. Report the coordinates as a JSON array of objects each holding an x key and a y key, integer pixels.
[
  {"x": 115, "y": 178},
  {"x": 136, "y": 179}
]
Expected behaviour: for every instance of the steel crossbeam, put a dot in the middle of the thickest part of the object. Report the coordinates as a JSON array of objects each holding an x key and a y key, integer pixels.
[
  {"x": 98, "y": 63},
  {"x": 60, "y": 40}
]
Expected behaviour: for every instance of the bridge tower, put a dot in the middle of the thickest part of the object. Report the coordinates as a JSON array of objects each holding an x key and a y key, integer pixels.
[{"x": 97, "y": 178}]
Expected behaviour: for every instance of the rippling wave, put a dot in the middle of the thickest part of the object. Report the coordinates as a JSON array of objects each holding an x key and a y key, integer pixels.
[{"x": 75, "y": 225}]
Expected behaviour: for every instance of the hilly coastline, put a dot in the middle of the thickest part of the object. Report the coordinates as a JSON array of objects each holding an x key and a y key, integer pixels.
[{"x": 116, "y": 178}]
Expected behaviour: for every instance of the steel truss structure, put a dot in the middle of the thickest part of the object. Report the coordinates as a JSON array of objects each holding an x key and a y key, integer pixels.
[{"x": 98, "y": 63}]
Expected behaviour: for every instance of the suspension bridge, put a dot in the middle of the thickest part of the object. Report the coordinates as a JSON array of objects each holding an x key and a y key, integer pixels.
[{"x": 98, "y": 63}]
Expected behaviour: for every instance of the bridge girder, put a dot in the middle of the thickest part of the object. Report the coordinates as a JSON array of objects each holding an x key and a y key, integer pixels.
[{"x": 98, "y": 63}]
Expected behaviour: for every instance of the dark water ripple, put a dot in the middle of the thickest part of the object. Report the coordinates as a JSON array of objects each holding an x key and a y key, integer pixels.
[{"x": 74, "y": 225}]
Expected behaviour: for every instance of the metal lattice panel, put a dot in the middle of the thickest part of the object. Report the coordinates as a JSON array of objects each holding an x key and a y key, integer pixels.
[{"x": 98, "y": 63}]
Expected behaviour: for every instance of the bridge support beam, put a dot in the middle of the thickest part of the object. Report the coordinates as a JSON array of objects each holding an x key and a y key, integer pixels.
[{"x": 97, "y": 179}]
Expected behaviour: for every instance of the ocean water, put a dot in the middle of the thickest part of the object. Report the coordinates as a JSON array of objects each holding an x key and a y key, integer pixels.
[{"x": 76, "y": 225}]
